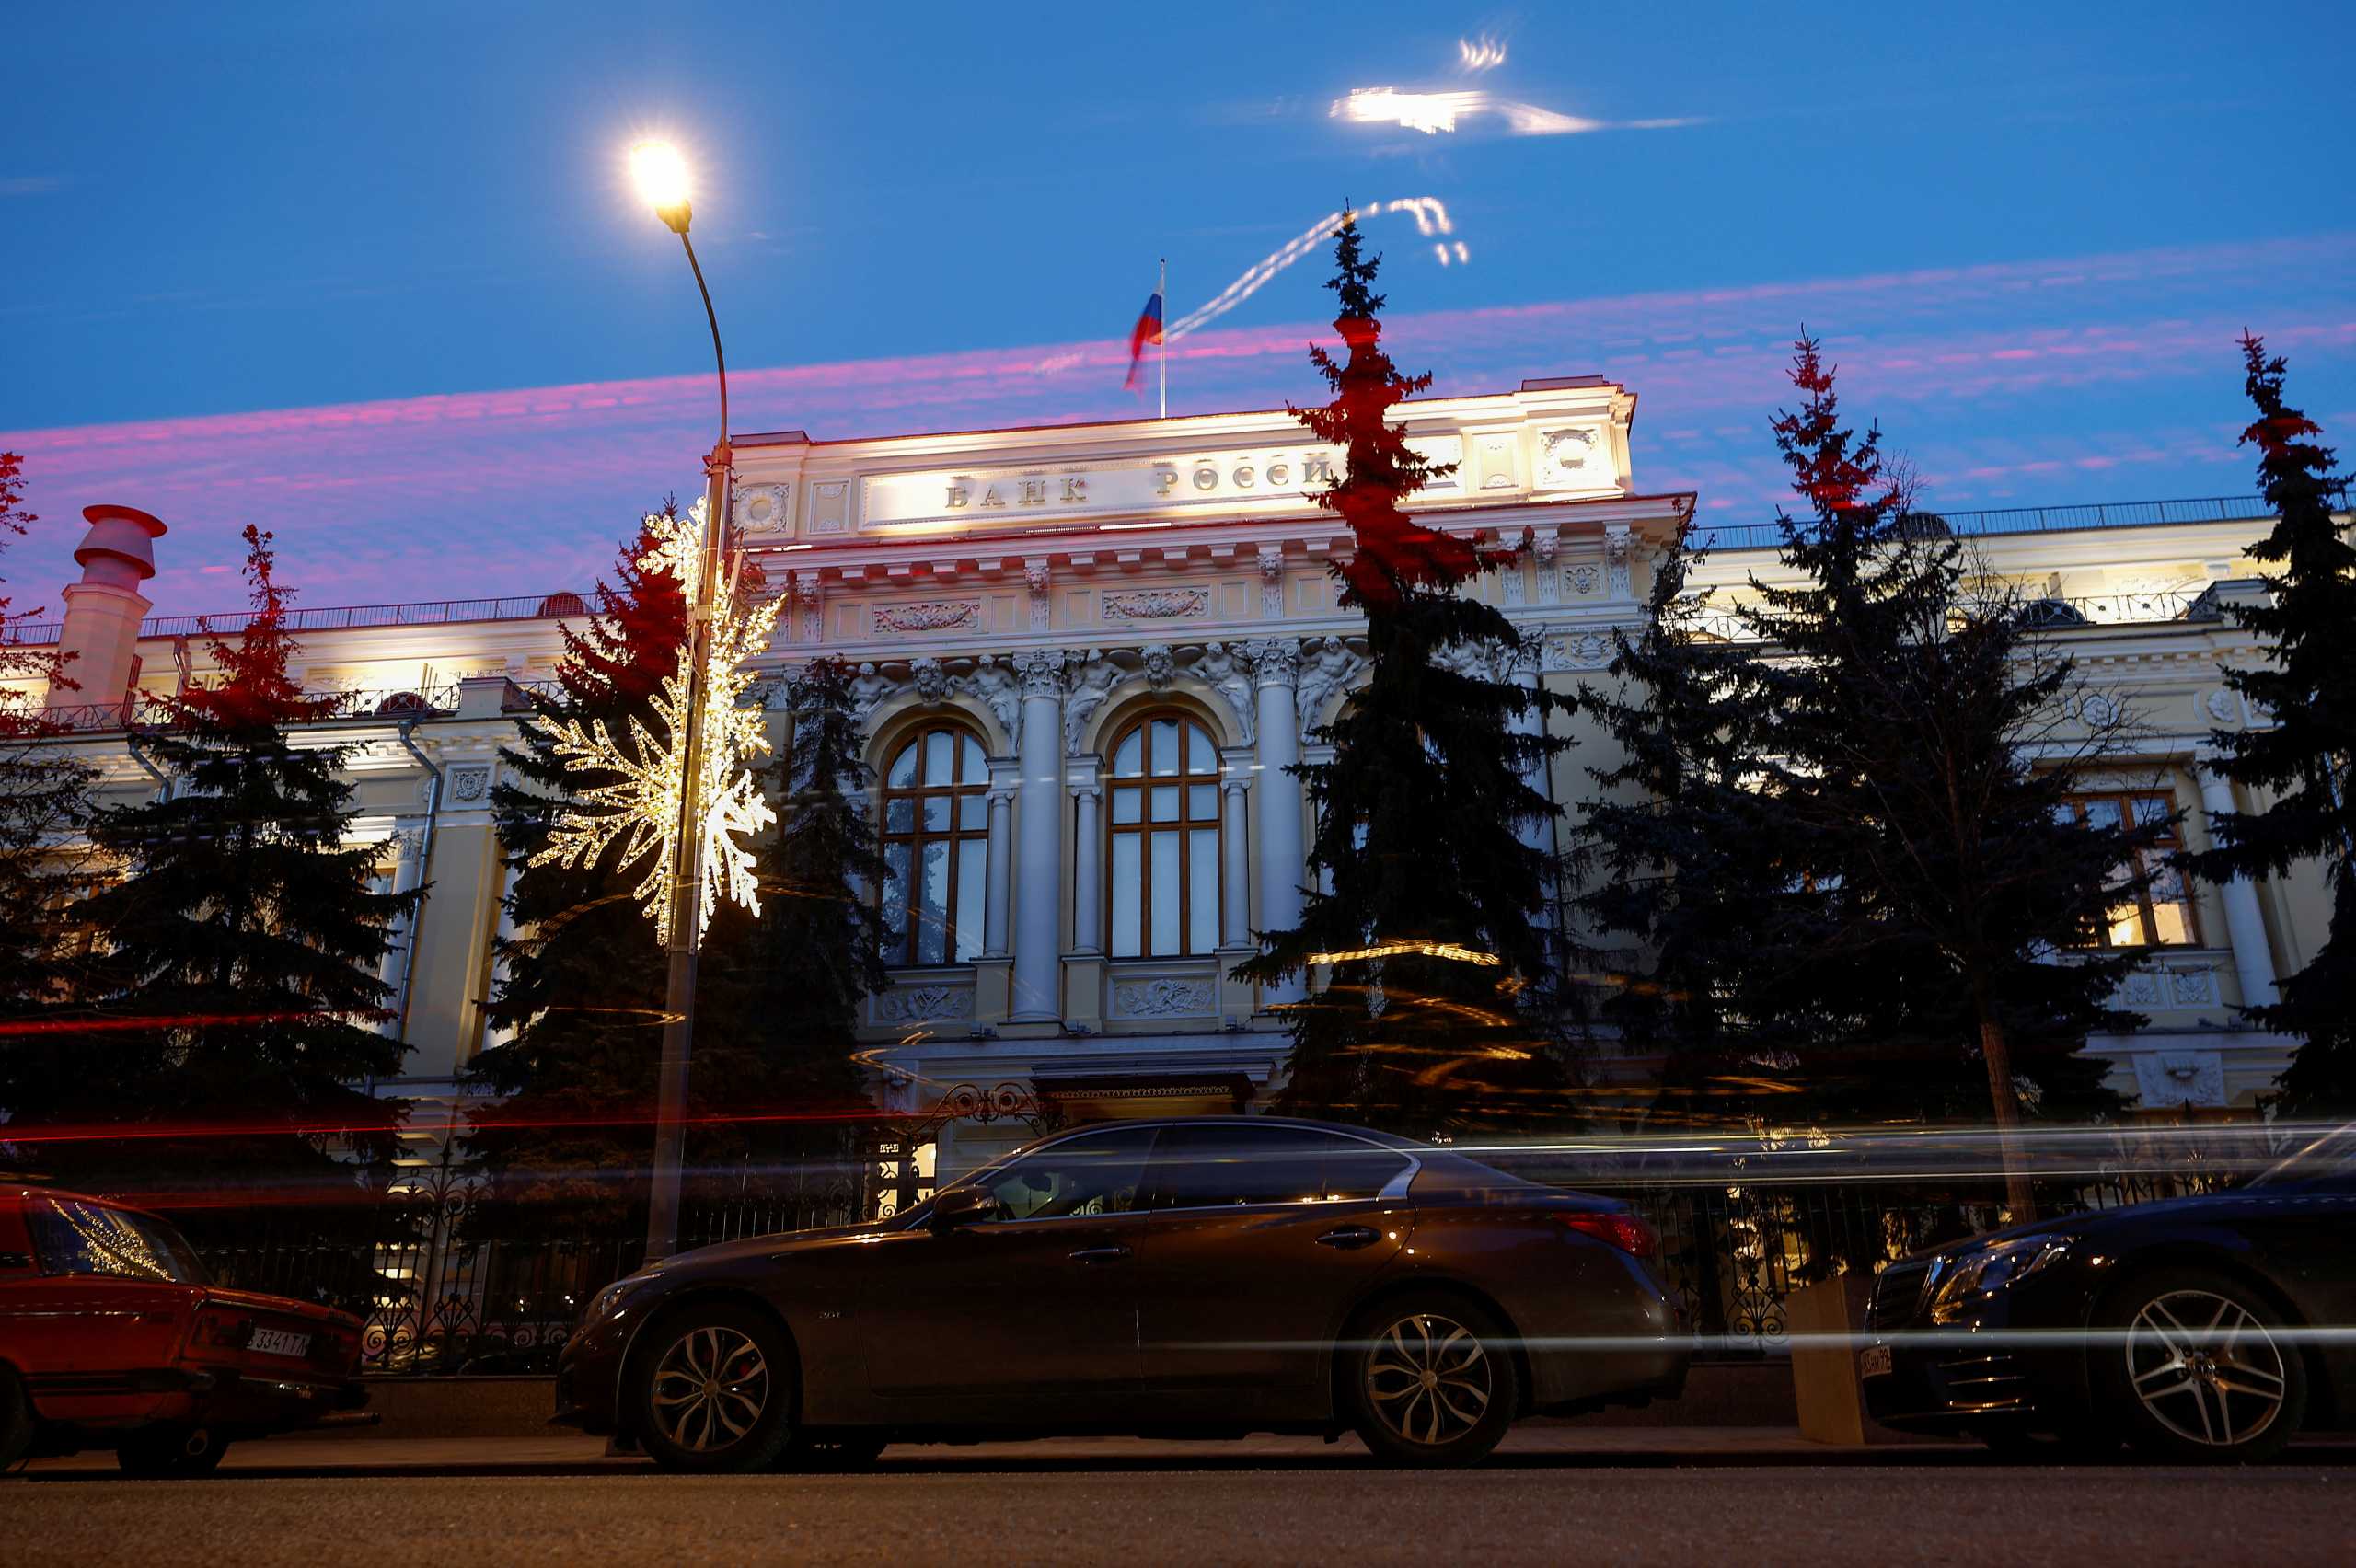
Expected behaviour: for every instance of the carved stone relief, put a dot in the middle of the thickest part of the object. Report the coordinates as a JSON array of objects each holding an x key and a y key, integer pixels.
[
  {"x": 1328, "y": 665},
  {"x": 924, "y": 1004},
  {"x": 1036, "y": 578},
  {"x": 1163, "y": 998},
  {"x": 941, "y": 615},
  {"x": 1585, "y": 578},
  {"x": 2180, "y": 1077},
  {"x": 763, "y": 510},
  {"x": 1271, "y": 581},
  {"x": 1565, "y": 456},
  {"x": 470, "y": 783},
  {"x": 1169, "y": 604},
  {"x": 830, "y": 507}
]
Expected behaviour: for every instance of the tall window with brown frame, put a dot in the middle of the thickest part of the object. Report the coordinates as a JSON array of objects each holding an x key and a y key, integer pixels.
[
  {"x": 2159, "y": 913},
  {"x": 935, "y": 843},
  {"x": 1162, "y": 862}
]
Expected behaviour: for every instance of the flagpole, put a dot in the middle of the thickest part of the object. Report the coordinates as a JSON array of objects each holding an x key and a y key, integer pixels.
[{"x": 1162, "y": 287}]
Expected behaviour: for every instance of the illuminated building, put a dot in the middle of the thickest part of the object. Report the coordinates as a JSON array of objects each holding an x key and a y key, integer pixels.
[{"x": 1086, "y": 656}]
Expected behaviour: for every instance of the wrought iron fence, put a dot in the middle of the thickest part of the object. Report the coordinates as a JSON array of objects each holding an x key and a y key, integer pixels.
[{"x": 450, "y": 1280}]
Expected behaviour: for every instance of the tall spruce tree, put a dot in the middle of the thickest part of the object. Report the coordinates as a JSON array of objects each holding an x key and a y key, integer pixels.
[
  {"x": 1439, "y": 965},
  {"x": 584, "y": 993},
  {"x": 1673, "y": 859},
  {"x": 230, "y": 1015},
  {"x": 820, "y": 948},
  {"x": 1917, "y": 759},
  {"x": 2302, "y": 757}
]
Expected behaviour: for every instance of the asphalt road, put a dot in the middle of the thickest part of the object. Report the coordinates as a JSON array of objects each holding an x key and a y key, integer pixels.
[{"x": 1536, "y": 1508}]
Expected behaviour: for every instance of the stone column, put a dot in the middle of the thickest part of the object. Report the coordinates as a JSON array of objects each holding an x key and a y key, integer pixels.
[
  {"x": 1235, "y": 886},
  {"x": 1282, "y": 859},
  {"x": 408, "y": 868},
  {"x": 2244, "y": 926},
  {"x": 998, "y": 906},
  {"x": 1038, "y": 840},
  {"x": 1538, "y": 835},
  {"x": 1087, "y": 872}
]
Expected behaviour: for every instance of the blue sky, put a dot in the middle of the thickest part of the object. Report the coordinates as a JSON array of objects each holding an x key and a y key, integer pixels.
[{"x": 2027, "y": 237}]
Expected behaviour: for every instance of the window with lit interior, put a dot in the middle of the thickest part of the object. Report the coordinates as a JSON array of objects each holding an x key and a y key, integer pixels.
[
  {"x": 1162, "y": 818},
  {"x": 935, "y": 843},
  {"x": 2160, "y": 914}
]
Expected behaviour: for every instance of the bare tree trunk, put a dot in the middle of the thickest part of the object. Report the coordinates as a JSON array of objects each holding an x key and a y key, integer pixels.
[{"x": 1997, "y": 1052}]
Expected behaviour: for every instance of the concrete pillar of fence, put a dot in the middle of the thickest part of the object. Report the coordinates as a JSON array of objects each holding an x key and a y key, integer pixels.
[{"x": 1826, "y": 1320}]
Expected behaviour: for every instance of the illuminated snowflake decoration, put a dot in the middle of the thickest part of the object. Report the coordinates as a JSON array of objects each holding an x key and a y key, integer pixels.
[{"x": 638, "y": 810}]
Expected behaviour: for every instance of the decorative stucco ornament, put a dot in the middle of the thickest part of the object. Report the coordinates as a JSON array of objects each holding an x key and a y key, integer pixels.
[{"x": 639, "y": 810}]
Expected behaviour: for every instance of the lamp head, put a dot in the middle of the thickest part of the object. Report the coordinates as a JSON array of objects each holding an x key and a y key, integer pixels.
[{"x": 661, "y": 175}]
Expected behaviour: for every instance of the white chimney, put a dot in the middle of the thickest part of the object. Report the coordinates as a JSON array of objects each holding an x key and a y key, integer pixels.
[{"x": 100, "y": 639}]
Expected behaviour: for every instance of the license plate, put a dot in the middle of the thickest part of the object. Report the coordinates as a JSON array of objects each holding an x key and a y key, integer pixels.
[
  {"x": 278, "y": 1342},
  {"x": 1873, "y": 1361}
]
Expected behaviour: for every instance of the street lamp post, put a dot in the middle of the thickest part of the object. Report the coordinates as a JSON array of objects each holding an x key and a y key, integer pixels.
[{"x": 662, "y": 178}]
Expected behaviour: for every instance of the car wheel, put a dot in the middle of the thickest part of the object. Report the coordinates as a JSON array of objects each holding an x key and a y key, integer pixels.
[
  {"x": 850, "y": 1451},
  {"x": 162, "y": 1452},
  {"x": 16, "y": 1420},
  {"x": 1430, "y": 1380},
  {"x": 2197, "y": 1369},
  {"x": 714, "y": 1390}
]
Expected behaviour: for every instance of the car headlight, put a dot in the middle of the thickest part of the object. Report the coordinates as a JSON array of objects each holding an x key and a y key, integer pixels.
[
  {"x": 611, "y": 1297},
  {"x": 1975, "y": 1276}
]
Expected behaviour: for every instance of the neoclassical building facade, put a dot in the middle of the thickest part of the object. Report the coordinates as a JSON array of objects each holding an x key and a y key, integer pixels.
[{"x": 1087, "y": 657}]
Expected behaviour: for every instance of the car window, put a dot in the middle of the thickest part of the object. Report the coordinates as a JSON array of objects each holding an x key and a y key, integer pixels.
[
  {"x": 1099, "y": 1173},
  {"x": 1224, "y": 1165},
  {"x": 77, "y": 1238}
]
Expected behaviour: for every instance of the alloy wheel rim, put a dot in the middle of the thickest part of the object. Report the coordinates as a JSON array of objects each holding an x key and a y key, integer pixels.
[
  {"x": 1428, "y": 1380},
  {"x": 710, "y": 1388},
  {"x": 2205, "y": 1368}
]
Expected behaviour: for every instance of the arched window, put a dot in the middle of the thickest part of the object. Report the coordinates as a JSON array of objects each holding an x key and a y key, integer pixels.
[
  {"x": 936, "y": 841},
  {"x": 1164, "y": 825}
]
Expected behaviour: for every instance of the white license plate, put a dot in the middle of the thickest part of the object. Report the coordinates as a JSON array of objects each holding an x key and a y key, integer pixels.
[
  {"x": 1873, "y": 1361},
  {"x": 278, "y": 1342}
]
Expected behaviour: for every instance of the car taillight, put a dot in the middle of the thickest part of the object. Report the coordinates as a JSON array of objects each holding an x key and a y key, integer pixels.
[{"x": 1624, "y": 1231}]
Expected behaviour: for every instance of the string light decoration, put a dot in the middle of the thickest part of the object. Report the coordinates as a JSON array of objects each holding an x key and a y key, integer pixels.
[{"x": 639, "y": 809}]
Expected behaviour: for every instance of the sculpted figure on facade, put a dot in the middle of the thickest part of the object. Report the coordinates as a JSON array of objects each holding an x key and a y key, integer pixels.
[
  {"x": 1035, "y": 577},
  {"x": 1092, "y": 681},
  {"x": 1227, "y": 670},
  {"x": 1328, "y": 665},
  {"x": 1159, "y": 664},
  {"x": 1272, "y": 580}
]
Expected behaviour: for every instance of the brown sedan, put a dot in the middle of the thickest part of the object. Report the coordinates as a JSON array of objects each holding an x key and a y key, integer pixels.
[{"x": 1210, "y": 1278}]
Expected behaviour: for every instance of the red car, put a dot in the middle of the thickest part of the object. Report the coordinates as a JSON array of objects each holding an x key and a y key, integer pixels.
[{"x": 112, "y": 1336}]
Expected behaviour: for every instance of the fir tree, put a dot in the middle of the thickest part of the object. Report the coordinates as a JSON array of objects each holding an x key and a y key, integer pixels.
[
  {"x": 1441, "y": 968},
  {"x": 231, "y": 1014},
  {"x": 819, "y": 953},
  {"x": 1673, "y": 859},
  {"x": 2301, "y": 758},
  {"x": 43, "y": 795},
  {"x": 585, "y": 983},
  {"x": 1916, "y": 767}
]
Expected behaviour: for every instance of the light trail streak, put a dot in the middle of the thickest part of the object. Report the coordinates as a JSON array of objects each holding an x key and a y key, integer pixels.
[
  {"x": 1432, "y": 222},
  {"x": 1433, "y": 113}
]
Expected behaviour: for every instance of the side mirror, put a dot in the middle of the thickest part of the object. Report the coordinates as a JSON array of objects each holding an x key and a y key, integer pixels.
[{"x": 960, "y": 1206}]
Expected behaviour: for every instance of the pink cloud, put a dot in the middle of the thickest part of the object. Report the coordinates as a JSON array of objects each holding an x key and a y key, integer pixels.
[{"x": 525, "y": 490}]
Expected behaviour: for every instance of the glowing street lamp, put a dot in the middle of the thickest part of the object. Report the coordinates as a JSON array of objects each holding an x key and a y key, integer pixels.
[{"x": 661, "y": 175}]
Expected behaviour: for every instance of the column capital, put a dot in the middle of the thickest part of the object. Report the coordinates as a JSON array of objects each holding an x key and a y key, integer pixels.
[
  {"x": 1042, "y": 671},
  {"x": 1090, "y": 791},
  {"x": 1234, "y": 785},
  {"x": 1275, "y": 661}
]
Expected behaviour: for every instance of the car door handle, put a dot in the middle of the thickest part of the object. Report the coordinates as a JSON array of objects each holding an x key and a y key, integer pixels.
[
  {"x": 1350, "y": 1236},
  {"x": 1098, "y": 1254}
]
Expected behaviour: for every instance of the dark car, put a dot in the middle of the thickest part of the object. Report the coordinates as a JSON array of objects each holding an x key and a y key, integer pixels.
[
  {"x": 2210, "y": 1327},
  {"x": 111, "y": 1334},
  {"x": 1210, "y": 1278}
]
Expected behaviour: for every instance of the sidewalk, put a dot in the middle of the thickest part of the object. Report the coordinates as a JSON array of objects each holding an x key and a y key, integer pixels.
[{"x": 571, "y": 1453}]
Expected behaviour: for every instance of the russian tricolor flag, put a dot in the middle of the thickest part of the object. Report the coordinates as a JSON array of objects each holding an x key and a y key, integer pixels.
[{"x": 1147, "y": 330}]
